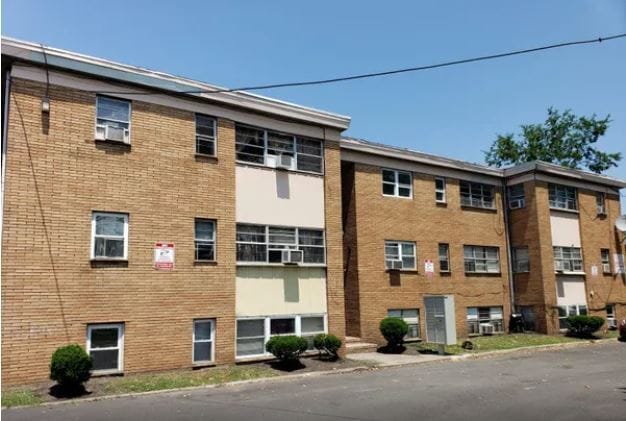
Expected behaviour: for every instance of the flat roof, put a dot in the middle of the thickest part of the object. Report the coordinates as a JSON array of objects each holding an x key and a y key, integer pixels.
[{"x": 101, "y": 68}]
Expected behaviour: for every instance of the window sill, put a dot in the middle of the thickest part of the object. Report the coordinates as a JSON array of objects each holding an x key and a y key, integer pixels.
[
  {"x": 471, "y": 207},
  {"x": 315, "y": 265},
  {"x": 113, "y": 142},
  {"x": 103, "y": 373},
  {"x": 203, "y": 364},
  {"x": 441, "y": 204},
  {"x": 393, "y": 196},
  {"x": 414, "y": 271},
  {"x": 205, "y": 156},
  {"x": 263, "y": 166},
  {"x": 108, "y": 259},
  {"x": 205, "y": 262},
  {"x": 495, "y": 274},
  {"x": 564, "y": 210},
  {"x": 569, "y": 272}
]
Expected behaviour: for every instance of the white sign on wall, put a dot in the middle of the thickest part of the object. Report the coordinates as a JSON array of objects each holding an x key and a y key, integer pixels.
[
  {"x": 618, "y": 262},
  {"x": 429, "y": 267},
  {"x": 164, "y": 256},
  {"x": 594, "y": 270}
]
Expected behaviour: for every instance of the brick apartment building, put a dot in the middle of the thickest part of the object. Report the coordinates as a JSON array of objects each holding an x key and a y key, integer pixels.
[{"x": 162, "y": 228}]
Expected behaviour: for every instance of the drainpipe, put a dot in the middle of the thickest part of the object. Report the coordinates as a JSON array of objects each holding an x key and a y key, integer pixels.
[
  {"x": 505, "y": 208},
  {"x": 5, "y": 130}
]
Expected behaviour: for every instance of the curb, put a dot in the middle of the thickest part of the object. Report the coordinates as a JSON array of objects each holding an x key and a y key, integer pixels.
[{"x": 313, "y": 374}]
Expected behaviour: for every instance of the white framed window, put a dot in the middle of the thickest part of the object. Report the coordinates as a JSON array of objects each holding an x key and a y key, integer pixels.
[
  {"x": 254, "y": 332},
  {"x": 266, "y": 147},
  {"x": 600, "y": 203},
  {"x": 562, "y": 197},
  {"x": 516, "y": 196},
  {"x": 411, "y": 317},
  {"x": 477, "y": 195},
  {"x": 397, "y": 183},
  {"x": 440, "y": 190},
  {"x": 105, "y": 345},
  {"x": 568, "y": 259},
  {"x": 490, "y": 316},
  {"x": 570, "y": 310},
  {"x": 206, "y": 135},
  {"x": 400, "y": 255},
  {"x": 521, "y": 262},
  {"x": 480, "y": 259},
  {"x": 444, "y": 257},
  {"x": 267, "y": 244},
  {"x": 605, "y": 256},
  {"x": 109, "y": 236},
  {"x": 204, "y": 240},
  {"x": 113, "y": 119},
  {"x": 203, "y": 341},
  {"x": 610, "y": 314}
]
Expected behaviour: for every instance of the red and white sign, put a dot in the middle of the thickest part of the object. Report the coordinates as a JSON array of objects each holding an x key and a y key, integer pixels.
[
  {"x": 429, "y": 267},
  {"x": 164, "y": 256}
]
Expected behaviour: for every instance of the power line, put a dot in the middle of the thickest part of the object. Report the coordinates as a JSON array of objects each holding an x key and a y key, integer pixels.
[{"x": 385, "y": 73}]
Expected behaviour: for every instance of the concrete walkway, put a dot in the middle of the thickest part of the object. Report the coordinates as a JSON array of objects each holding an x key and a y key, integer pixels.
[{"x": 390, "y": 360}]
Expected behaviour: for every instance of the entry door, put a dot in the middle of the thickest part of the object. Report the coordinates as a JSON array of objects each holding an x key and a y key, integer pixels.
[{"x": 435, "y": 319}]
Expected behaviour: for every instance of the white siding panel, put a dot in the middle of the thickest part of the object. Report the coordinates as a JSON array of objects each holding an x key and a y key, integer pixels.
[
  {"x": 570, "y": 290},
  {"x": 565, "y": 229}
]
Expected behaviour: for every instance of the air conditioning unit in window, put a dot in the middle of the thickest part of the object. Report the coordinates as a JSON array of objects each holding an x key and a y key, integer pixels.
[
  {"x": 394, "y": 264},
  {"x": 606, "y": 268},
  {"x": 284, "y": 161},
  {"x": 486, "y": 329},
  {"x": 559, "y": 266},
  {"x": 611, "y": 323},
  {"x": 292, "y": 257},
  {"x": 112, "y": 133},
  {"x": 516, "y": 203}
]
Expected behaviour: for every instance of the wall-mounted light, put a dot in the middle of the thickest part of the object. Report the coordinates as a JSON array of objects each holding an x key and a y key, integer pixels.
[{"x": 45, "y": 105}]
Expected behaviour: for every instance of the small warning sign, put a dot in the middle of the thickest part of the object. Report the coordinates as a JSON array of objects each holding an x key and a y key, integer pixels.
[
  {"x": 164, "y": 256},
  {"x": 429, "y": 267}
]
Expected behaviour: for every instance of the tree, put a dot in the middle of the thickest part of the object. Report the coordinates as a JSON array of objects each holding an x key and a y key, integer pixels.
[{"x": 563, "y": 139}]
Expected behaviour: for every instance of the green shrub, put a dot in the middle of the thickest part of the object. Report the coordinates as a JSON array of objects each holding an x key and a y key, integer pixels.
[
  {"x": 583, "y": 326},
  {"x": 394, "y": 330},
  {"x": 287, "y": 348},
  {"x": 328, "y": 344},
  {"x": 70, "y": 366}
]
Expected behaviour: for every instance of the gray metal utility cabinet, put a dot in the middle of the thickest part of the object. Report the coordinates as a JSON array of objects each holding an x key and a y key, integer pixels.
[{"x": 440, "y": 320}]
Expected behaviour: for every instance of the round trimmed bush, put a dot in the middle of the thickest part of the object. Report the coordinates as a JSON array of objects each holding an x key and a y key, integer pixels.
[
  {"x": 286, "y": 348},
  {"x": 394, "y": 330},
  {"x": 327, "y": 343},
  {"x": 70, "y": 366},
  {"x": 583, "y": 326}
]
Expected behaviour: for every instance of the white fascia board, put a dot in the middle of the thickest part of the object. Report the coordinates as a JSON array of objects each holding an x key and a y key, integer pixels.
[
  {"x": 566, "y": 173},
  {"x": 32, "y": 52}
]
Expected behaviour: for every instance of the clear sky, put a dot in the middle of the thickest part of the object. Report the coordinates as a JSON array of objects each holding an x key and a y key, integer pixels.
[{"x": 454, "y": 112}]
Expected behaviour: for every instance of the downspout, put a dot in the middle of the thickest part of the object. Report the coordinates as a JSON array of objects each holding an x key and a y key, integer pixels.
[
  {"x": 509, "y": 253},
  {"x": 5, "y": 131}
]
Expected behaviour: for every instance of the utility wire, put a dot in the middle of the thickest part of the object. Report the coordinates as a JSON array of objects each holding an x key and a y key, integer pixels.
[{"x": 385, "y": 73}]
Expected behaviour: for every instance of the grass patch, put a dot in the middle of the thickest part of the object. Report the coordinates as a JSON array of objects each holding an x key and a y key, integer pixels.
[
  {"x": 174, "y": 380},
  {"x": 20, "y": 398},
  {"x": 501, "y": 342}
]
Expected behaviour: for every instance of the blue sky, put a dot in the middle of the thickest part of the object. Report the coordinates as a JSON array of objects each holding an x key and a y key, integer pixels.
[{"x": 455, "y": 112}]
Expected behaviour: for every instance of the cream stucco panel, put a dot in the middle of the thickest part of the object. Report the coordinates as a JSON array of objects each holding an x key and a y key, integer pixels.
[
  {"x": 565, "y": 229},
  {"x": 570, "y": 290}
]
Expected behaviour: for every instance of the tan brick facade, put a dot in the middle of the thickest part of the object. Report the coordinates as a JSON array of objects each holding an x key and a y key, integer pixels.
[{"x": 371, "y": 290}]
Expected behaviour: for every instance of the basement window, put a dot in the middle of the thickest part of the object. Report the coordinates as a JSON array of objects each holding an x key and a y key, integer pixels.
[
  {"x": 105, "y": 345},
  {"x": 109, "y": 234},
  {"x": 481, "y": 320},
  {"x": 411, "y": 317},
  {"x": 203, "y": 341}
]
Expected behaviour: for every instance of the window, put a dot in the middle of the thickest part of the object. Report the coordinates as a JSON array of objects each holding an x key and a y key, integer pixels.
[
  {"x": 400, "y": 255},
  {"x": 562, "y": 197},
  {"x": 411, "y": 317},
  {"x": 477, "y": 195},
  {"x": 444, "y": 257},
  {"x": 105, "y": 344},
  {"x": 203, "y": 341},
  {"x": 250, "y": 337},
  {"x": 205, "y": 135},
  {"x": 260, "y": 146},
  {"x": 570, "y": 310},
  {"x": 109, "y": 233},
  {"x": 480, "y": 259},
  {"x": 112, "y": 119},
  {"x": 600, "y": 204},
  {"x": 397, "y": 183},
  {"x": 477, "y": 316},
  {"x": 606, "y": 260},
  {"x": 568, "y": 259},
  {"x": 520, "y": 260},
  {"x": 205, "y": 240},
  {"x": 265, "y": 244},
  {"x": 253, "y": 334},
  {"x": 310, "y": 327},
  {"x": 517, "y": 198},
  {"x": 528, "y": 314},
  {"x": 440, "y": 190},
  {"x": 610, "y": 312}
]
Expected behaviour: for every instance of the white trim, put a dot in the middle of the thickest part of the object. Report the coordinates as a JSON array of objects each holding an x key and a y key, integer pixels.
[
  {"x": 120, "y": 345},
  {"x": 193, "y": 342},
  {"x": 399, "y": 244},
  {"x": 396, "y": 183},
  {"x": 130, "y": 116},
  {"x": 93, "y": 236}
]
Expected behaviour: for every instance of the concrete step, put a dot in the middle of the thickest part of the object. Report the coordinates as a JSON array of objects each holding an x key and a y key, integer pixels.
[
  {"x": 360, "y": 346},
  {"x": 352, "y": 339}
]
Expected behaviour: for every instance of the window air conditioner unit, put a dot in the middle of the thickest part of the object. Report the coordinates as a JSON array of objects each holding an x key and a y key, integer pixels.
[
  {"x": 112, "y": 133},
  {"x": 394, "y": 264},
  {"x": 284, "y": 162},
  {"x": 292, "y": 257},
  {"x": 606, "y": 268},
  {"x": 559, "y": 266},
  {"x": 486, "y": 329},
  {"x": 611, "y": 323},
  {"x": 516, "y": 203}
]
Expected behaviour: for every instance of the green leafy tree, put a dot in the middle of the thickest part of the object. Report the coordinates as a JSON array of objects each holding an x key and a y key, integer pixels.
[{"x": 563, "y": 139}]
